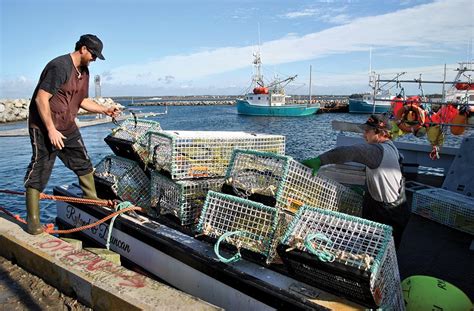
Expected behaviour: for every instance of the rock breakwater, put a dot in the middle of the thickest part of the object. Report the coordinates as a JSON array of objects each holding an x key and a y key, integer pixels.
[{"x": 17, "y": 109}]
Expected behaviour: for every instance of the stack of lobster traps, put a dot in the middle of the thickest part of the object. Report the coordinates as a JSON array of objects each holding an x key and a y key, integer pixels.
[
  {"x": 240, "y": 192},
  {"x": 187, "y": 164},
  {"x": 277, "y": 184},
  {"x": 120, "y": 176}
]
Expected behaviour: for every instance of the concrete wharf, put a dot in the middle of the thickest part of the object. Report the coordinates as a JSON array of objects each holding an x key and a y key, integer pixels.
[{"x": 92, "y": 280}]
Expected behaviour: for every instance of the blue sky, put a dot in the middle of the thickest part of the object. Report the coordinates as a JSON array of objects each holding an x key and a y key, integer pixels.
[{"x": 205, "y": 47}]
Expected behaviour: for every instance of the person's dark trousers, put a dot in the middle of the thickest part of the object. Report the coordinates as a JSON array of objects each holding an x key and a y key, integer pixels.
[
  {"x": 394, "y": 215},
  {"x": 73, "y": 155}
]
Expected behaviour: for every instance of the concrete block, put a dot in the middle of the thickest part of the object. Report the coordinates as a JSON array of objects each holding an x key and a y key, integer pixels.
[
  {"x": 105, "y": 254},
  {"x": 97, "y": 283},
  {"x": 76, "y": 244}
]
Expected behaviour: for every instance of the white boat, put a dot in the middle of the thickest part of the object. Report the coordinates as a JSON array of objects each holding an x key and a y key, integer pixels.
[
  {"x": 270, "y": 100},
  {"x": 375, "y": 101},
  {"x": 462, "y": 92}
]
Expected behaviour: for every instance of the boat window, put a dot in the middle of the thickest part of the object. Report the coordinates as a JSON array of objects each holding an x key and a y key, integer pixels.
[
  {"x": 259, "y": 98},
  {"x": 471, "y": 97}
]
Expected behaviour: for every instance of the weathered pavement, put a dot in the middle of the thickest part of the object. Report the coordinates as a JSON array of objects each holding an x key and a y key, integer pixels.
[{"x": 20, "y": 290}]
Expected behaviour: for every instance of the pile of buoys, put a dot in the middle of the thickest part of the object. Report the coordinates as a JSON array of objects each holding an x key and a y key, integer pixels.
[
  {"x": 422, "y": 292},
  {"x": 410, "y": 116}
]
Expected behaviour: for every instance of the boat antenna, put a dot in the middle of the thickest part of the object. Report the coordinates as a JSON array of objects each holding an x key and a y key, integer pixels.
[
  {"x": 370, "y": 60},
  {"x": 310, "y": 85}
]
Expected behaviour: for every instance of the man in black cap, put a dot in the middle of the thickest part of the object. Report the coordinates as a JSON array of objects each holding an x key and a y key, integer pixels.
[
  {"x": 62, "y": 89},
  {"x": 384, "y": 200}
]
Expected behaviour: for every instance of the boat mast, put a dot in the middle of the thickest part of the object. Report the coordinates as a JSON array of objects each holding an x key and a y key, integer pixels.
[
  {"x": 443, "y": 94},
  {"x": 310, "y": 85},
  {"x": 258, "y": 78}
]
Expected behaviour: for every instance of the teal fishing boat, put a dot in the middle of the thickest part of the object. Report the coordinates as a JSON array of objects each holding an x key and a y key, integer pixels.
[{"x": 270, "y": 100}]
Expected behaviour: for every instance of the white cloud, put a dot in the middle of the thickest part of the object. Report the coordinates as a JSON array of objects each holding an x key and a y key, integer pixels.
[
  {"x": 423, "y": 27},
  {"x": 303, "y": 13}
]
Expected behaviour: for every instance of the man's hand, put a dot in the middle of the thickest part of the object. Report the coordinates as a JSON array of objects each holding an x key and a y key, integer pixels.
[
  {"x": 56, "y": 138},
  {"x": 113, "y": 111}
]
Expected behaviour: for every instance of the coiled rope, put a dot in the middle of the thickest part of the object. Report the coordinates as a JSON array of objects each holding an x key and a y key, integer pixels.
[{"x": 49, "y": 228}]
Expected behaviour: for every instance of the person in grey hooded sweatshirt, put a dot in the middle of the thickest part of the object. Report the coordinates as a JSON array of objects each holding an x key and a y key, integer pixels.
[{"x": 384, "y": 200}]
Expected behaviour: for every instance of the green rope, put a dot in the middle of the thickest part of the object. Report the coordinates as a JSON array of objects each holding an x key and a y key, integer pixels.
[
  {"x": 323, "y": 255},
  {"x": 119, "y": 207},
  {"x": 223, "y": 237}
]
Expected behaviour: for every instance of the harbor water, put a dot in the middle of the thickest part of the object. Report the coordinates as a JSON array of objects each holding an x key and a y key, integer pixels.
[{"x": 305, "y": 137}]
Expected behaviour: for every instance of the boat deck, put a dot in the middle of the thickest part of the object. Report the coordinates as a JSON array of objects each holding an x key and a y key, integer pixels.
[{"x": 429, "y": 248}]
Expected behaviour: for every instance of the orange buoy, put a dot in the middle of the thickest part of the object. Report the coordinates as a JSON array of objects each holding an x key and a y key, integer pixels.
[
  {"x": 463, "y": 86},
  {"x": 260, "y": 90},
  {"x": 459, "y": 119}
]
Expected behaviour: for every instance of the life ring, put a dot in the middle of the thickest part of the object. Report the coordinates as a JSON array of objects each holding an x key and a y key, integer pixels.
[{"x": 412, "y": 117}]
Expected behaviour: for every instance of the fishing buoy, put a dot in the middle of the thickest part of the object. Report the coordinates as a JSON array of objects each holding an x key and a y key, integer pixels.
[
  {"x": 459, "y": 119},
  {"x": 435, "y": 135},
  {"x": 422, "y": 292}
]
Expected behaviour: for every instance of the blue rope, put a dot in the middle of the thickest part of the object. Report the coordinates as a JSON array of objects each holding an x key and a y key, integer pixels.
[
  {"x": 232, "y": 259},
  {"x": 119, "y": 207},
  {"x": 237, "y": 256},
  {"x": 323, "y": 255}
]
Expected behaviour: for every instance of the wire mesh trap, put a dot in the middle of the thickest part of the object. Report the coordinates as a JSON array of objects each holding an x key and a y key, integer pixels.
[
  {"x": 121, "y": 178},
  {"x": 280, "y": 181},
  {"x": 242, "y": 223},
  {"x": 345, "y": 255},
  {"x": 200, "y": 154},
  {"x": 183, "y": 199},
  {"x": 122, "y": 137},
  {"x": 446, "y": 207}
]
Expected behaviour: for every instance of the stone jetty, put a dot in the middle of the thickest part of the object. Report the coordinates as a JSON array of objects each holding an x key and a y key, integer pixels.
[{"x": 17, "y": 109}]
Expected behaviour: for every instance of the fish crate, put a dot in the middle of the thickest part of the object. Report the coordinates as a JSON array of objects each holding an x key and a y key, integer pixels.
[
  {"x": 117, "y": 177},
  {"x": 248, "y": 226},
  {"x": 446, "y": 207},
  {"x": 183, "y": 199},
  {"x": 345, "y": 255},
  {"x": 123, "y": 137},
  {"x": 200, "y": 154},
  {"x": 280, "y": 181}
]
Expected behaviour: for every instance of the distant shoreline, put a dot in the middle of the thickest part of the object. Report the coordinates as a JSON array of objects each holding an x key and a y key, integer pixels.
[{"x": 185, "y": 103}]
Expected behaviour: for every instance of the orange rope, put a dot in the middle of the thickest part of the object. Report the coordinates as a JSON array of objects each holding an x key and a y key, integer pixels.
[{"x": 49, "y": 228}]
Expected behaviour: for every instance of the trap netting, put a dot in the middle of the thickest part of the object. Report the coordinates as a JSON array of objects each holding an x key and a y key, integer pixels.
[
  {"x": 121, "y": 139},
  {"x": 200, "y": 154},
  {"x": 239, "y": 222},
  {"x": 183, "y": 199},
  {"x": 125, "y": 179},
  {"x": 280, "y": 181},
  {"x": 449, "y": 208},
  {"x": 343, "y": 254}
]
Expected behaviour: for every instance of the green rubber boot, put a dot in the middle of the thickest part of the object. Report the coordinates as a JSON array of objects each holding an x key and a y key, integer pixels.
[
  {"x": 33, "y": 212},
  {"x": 88, "y": 186}
]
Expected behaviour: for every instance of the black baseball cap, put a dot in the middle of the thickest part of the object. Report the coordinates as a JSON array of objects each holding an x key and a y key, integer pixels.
[
  {"x": 93, "y": 43},
  {"x": 377, "y": 121}
]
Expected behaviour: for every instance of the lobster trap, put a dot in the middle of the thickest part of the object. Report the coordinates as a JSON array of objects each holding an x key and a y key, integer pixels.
[
  {"x": 184, "y": 199},
  {"x": 280, "y": 181},
  {"x": 200, "y": 154},
  {"x": 244, "y": 224},
  {"x": 446, "y": 207},
  {"x": 345, "y": 255},
  {"x": 117, "y": 177},
  {"x": 124, "y": 136}
]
